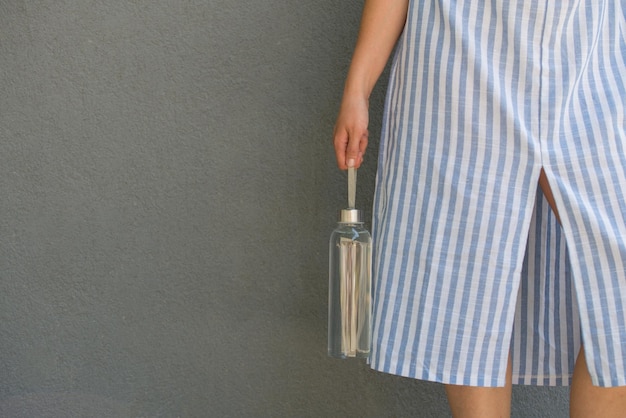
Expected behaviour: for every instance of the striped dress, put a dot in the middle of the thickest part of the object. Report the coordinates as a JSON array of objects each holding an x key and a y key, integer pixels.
[{"x": 470, "y": 263}]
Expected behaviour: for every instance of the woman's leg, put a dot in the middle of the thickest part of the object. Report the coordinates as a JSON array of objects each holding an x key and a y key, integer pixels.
[
  {"x": 469, "y": 401},
  {"x": 545, "y": 188},
  {"x": 588, "y": 401},
  {"x": 481, "y": 402}
]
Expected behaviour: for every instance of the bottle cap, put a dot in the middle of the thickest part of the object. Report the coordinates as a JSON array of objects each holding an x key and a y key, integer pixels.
[{"x": 350, "y": 216}]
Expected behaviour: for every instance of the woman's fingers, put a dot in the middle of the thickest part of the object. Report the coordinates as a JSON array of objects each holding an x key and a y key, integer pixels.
[
  {"x": 356, "y": 148},
  {"x": 350, "y": 148}
]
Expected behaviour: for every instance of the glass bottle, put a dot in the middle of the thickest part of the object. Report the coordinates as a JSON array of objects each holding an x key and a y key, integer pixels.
[{"x": 349, "y": 296}]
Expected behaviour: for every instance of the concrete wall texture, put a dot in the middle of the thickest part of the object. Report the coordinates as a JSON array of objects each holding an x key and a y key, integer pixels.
[{"x": 167, "y": 192}]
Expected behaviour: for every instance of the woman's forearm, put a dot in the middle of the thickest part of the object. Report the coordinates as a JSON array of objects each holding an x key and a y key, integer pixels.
[{"x": 381, "y": 25}]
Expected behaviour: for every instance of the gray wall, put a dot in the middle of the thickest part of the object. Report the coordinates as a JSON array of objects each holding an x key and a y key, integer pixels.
[{"x": 167, "y": 191}]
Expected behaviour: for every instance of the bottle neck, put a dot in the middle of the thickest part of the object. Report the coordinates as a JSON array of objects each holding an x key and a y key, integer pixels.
[{"x": 350, "y": 223}]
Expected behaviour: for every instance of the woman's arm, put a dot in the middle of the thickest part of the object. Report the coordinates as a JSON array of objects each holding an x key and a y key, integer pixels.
[{"x": 381, "y": 25}]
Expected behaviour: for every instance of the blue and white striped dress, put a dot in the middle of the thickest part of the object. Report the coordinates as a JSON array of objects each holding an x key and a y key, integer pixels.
[{"x": 469, "y": 261}]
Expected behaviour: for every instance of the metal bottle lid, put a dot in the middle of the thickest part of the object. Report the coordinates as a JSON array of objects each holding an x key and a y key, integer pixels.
[{"x": 350, "y": 216}]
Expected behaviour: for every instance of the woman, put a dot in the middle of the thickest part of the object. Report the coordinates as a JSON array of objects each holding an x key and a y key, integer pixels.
[{"x": 474, "y": 287}]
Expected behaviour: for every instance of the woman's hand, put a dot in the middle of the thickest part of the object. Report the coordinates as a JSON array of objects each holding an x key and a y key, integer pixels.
[{"x": 350, "y": 135}]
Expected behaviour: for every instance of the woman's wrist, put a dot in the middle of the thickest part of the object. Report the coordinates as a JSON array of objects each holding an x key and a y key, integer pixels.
[{"x": 354, "y": 90}]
